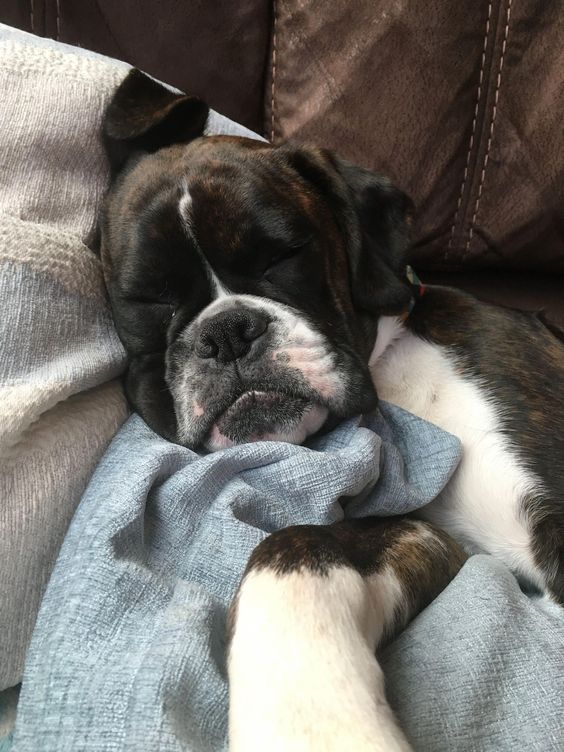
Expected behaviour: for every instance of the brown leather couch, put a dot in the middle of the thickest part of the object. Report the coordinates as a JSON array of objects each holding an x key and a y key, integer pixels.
[{"x": 461, "y": 103}]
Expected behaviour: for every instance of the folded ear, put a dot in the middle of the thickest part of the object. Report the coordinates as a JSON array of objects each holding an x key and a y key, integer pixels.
[
  {"x": 375, "y": 219},
  {"x": 377, "y": 260},
  {"x": 144, "y": 116}
]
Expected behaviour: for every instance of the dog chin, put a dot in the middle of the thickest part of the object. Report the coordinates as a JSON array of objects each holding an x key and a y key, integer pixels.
[{"x": 266, "y": 416}]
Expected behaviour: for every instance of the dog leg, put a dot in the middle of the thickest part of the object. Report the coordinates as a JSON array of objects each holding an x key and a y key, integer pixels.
[
  {"x": 314, "y": 604},
  {"x": 547, "y": 521}
]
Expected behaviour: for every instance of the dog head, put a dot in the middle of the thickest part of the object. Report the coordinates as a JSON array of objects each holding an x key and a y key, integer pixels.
[{"x": 246, "y": 280}]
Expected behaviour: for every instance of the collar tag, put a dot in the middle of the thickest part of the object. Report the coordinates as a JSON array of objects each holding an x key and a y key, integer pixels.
[
  {"x": 414, "y": 280},
  {"x": 418, "y": 289}
]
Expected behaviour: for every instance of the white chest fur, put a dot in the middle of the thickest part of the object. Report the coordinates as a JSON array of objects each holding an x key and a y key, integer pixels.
[{"x": 482, "y": 505}]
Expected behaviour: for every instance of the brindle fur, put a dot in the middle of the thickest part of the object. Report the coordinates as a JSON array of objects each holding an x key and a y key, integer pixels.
[
  {"x": 423, "y": 558},
  {"x": 526, "y": 376}
]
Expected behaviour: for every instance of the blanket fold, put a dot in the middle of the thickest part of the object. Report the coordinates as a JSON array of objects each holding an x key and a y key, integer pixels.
[{"x": 128, "y": 651}]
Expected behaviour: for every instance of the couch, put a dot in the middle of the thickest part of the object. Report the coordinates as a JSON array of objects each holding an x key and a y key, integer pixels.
[{"x": 460, "y": 103}]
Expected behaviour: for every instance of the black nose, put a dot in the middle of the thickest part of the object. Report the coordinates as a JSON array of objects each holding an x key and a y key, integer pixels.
[{"x": 228, "y": 335}]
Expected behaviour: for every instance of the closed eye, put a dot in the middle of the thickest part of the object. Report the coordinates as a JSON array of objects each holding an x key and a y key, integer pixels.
[
  {"x": 146, "y": 300},
  {"x": 287, "y": 254},
  {"x": 281, "y": 257},
  {"x": 148, "y": 295},
  {"x": 161, "y": 305}
]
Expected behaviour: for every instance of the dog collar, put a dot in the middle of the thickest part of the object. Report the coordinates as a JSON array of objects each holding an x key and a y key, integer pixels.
[{"x": 417, "y": 287}]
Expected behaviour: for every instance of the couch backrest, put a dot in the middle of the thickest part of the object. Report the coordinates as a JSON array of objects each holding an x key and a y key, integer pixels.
[
  {"x": 462, "y": 103},
  {"x": 216, "y": 49}
]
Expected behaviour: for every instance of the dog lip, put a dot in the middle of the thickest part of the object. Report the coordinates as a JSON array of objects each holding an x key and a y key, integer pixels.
[
  {"x": 269, "y": 392},
  {"x": 256, "y": 395},
  {"x": 256, "y": 414},
  {"x": 228, "y": 406},
  {"x": 227, "y": 409}
]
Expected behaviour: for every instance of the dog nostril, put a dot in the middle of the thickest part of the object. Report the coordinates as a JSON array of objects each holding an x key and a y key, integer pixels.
[
  {"x": 253, "y": 328},
  {"x": 229, "y": 335},
  {"x": 206, "y": 346}
]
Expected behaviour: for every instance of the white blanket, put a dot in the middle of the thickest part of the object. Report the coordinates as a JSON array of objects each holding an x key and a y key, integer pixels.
[{"x": 60, "y": 398}]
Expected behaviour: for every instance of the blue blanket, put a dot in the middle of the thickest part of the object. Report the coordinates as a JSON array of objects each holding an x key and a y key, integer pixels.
[{"x": 128, "y": 650}]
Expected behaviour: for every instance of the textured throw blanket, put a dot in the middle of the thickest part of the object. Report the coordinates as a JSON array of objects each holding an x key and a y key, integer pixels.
[
  {"x": 128, "y": 651},
  {"x": 129, "y": 648},
  {"x": 60, "y": 399}
]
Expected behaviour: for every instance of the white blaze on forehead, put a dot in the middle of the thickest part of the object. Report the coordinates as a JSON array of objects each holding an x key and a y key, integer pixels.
[
  {"x": 185, "y": 210},
  {"x": 185, "y": 205}
]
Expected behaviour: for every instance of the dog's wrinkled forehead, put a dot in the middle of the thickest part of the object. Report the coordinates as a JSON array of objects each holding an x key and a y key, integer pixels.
[
  {"x": 236, "y": 200},
  {"x": 239, "y": 203},
  {"x": 231, "y": 214},
  {"x": 247, "y": 200}
]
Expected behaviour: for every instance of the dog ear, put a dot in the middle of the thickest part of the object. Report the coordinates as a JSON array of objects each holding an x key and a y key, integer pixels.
[
  {"x": 374, "y": 218},
  {"x": 378, "y": 258},
  {"x": 145, "y": 116}
]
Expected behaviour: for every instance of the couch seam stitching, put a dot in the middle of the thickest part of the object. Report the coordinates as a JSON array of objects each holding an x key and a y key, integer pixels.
[
  {"x": 490, "y": 136},
  {"x": 58, "y": 20},
  {"x": 273, "y": 74},
  {"x": 473, "y": 131}
]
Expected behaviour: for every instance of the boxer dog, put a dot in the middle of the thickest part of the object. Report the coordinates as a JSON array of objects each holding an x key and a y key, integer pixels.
[{"x": 261, "y": 293}]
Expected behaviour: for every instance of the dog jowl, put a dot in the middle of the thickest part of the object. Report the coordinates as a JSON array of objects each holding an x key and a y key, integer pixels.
[{"x": 246, "y": 280}]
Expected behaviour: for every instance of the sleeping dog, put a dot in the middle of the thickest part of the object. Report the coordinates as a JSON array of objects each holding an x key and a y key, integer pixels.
[{"x": 261, "y": 293}]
